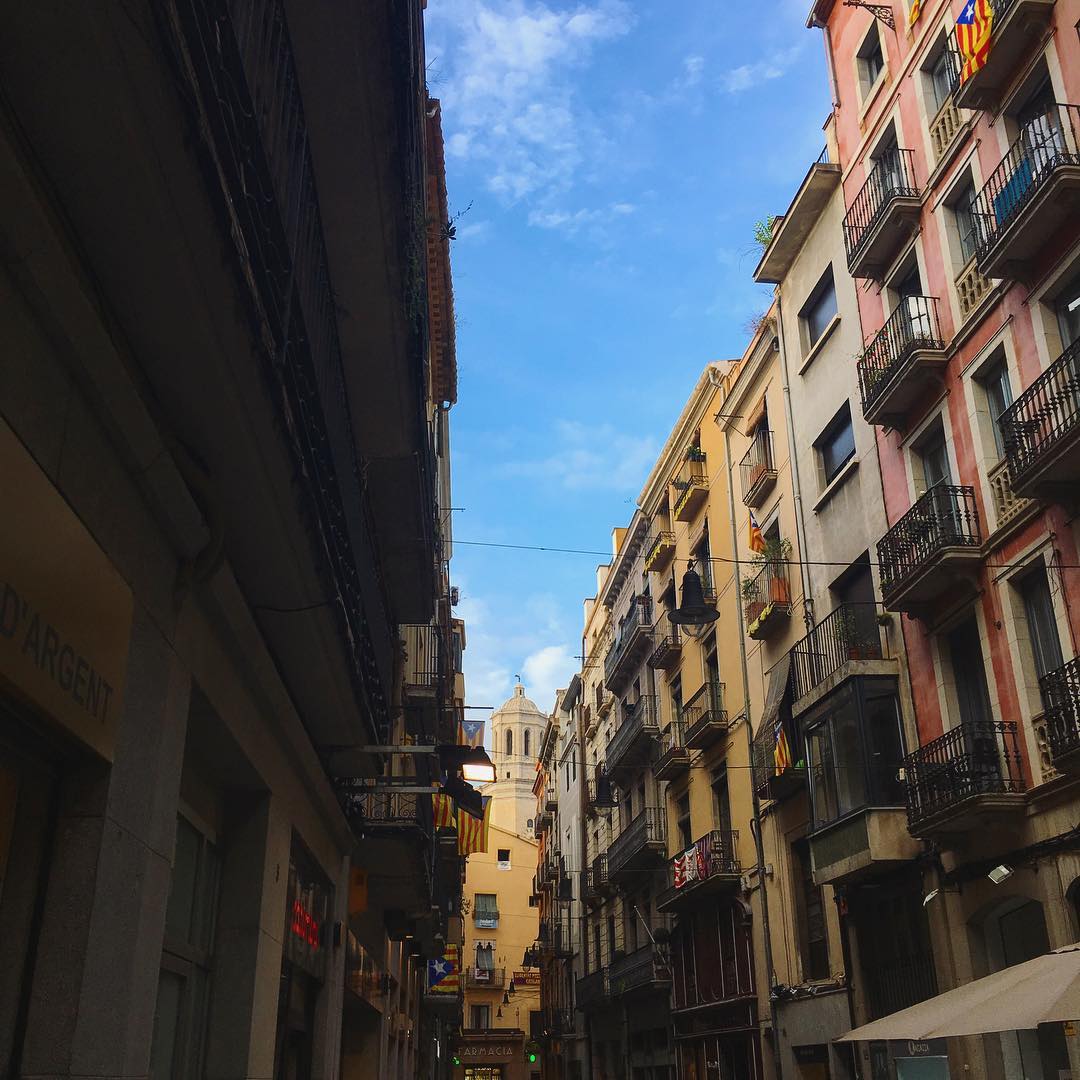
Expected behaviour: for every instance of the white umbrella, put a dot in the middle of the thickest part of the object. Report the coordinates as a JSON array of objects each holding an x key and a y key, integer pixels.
[{"x": 1040, "y": 991}]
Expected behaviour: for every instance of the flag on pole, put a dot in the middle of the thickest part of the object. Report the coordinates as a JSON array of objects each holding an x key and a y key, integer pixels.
[
  {"x": 757, "y": 541},
  {"x": 781, "y": 751},
  {"x": 472, "y": 834},
  {"x": 442, "y": 808},
  {"x": 444, "y": 973},
  {"x": 973, "y": 30},
  {"x": 914, "y": 13},
  {"x": 471, "y": 733}
]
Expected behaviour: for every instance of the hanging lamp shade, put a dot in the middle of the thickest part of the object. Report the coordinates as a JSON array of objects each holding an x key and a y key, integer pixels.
[{"x": 693, "y": 612}]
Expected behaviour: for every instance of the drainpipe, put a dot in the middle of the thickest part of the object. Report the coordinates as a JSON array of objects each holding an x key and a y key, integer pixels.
[
  {"x": 755, "y": 822},
  {"x": 796, "y": 482}
]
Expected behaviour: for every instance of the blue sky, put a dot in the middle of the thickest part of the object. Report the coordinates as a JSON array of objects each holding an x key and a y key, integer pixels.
[{"x": 613, "y": 158}]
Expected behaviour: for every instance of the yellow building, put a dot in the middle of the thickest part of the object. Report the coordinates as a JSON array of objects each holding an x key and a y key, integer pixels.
[{"x": 501, "y": 994}]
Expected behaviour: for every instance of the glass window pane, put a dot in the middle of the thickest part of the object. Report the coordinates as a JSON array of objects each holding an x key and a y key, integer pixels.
[
  {"x": 1042, "y": 625},
  {"x": 884, "y": 746},
  {"x": 821, "y": 309},
  {"x": 1068, "y": 310},
  {"x": 822, "y": 776},
  {"x": 848, "y": 758},
  {"x": 166, "y": 1025},
  {"x": 837, "y": 447},
  {"x": 180, "y": 913}
]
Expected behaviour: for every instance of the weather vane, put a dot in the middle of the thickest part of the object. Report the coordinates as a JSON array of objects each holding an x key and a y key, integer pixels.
[{"x": 883, "y": 12}]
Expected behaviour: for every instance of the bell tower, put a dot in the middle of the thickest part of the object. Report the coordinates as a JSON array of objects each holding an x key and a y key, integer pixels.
[{"x": 516, "y": 730}]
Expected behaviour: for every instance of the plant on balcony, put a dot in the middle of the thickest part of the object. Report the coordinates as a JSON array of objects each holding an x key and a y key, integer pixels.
[
  {"x": 846, "y": 631},
  {"x": 695, "y": 453},
  {"x": 753, "y": 604},
  {"x": 778, "y": 552},
  {"x": 763, "y": 231}
]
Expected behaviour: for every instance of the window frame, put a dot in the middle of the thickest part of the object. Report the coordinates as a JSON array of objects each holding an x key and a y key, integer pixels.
[
  {"x": 842, "y": 419},
  {"x": 826, "y": 285}
]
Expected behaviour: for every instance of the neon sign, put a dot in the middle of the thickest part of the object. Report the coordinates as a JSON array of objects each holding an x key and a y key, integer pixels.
[{"x": 304, "y": 925}]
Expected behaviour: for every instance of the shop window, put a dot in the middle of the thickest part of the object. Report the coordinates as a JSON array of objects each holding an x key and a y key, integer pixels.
[
  {"x": 180, "y": 1018},
  {"x": 855, "y": 748}
]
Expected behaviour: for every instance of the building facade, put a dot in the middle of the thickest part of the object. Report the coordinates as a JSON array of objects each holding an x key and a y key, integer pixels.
[
  {"x": 517, "y": 728},
  {"x": 225, "y": 580}
]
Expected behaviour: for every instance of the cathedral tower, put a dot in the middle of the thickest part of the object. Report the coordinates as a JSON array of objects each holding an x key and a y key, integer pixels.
[{"x": 516, "y": 730}]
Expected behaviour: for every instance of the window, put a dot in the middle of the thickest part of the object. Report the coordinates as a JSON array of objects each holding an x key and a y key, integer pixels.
[
  {"x": 528, "y": 735},
  {"x": 963, "y": 208},
  {"x": 529, "y": 823},
  {"x": 939, "y": 79},
  {"x": 933, "y": 455},
  {"x": 676, "y": 697},
  {"x": 855, "y": 748},
  {"x": 813, "y": 935},
  {"x": 836, "y": 446},
  {"x": 486, "y": 912},
  {"x": 503, "y": 858},
  {"x": 819, "y": 310},
  {"x": 1067, "y": 307},
  {"x": 509, "y": 743},
  {"x": 969, "y": 673},
  {"x": 683, "y": 822},
  {"x": 1042, "y": 625},
  {"x": 187, "y": 957},
  {"x": 871, "y": 60},
  {"x": 721, "y": 799},
  {"x": 480, "y": 1016},
  {"x": 995, "y": 383}
]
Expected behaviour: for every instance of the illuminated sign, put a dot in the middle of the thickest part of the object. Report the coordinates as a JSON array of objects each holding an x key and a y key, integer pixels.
[{"x": 304, "y": 925}]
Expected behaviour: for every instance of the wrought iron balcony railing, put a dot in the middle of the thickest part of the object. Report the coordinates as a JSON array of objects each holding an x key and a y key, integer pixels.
[
  {"x": 599, "y": 791},
  {"x": 892, "y": 176},
  {"x": 1044, "y": 419},
  {"x": 644, "y": 969},
  {"x": 692, "y": 484},
  {"x": 674, "y": 756},
  {"x": 640, "y": 725},
  {"x": 1045, "y": 144},
  {"x": 668, "y": 641},
  {"x": 766, "y": 599},
  {"x": 977, "y": 758},
  {"x": 479, "y": 978},
  {"x": 758, "y": 468},
  {"x": 710, "y": 862},
  {"x": 647, "y": 830},
  {"x": 592, "y": 989},
  {"x": 848, "y": 633},
  {"x": 1061, "y": 696},
  {"x": 423, "y": 665},
  {"x": 635, "y": 628},
  {"x": 659, "y": 551},
  {"x": 911, "y": 328},
  {"x": 946, "y": 516},
  {"x": 704, "y": 717},
  {"x": 771, "y": 782}
]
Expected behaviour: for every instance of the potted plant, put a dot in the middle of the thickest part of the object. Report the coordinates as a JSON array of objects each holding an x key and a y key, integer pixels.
[
  {"x": 695, "y": 453},
  {"x": 752, "y": 601},
  {"x": 776, "y": 552},
  {"x": 847, "y": 635}
]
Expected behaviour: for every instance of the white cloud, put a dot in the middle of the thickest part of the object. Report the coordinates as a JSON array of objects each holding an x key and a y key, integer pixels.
[
  {"x": 591, "y": 457},
  {"x": 508, "y": 92},
  {"x": 546, "y": 670},
  {"x": 747, "y": 76},
  {"x": 573, "y": 221}
]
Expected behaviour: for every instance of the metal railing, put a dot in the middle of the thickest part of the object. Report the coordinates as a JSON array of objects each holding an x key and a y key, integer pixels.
[
  {"x": 1045, "y": 143},
  {"x": 592, "y": 989},
  {"x": 387, "y": 809},
  {"x": 599, "y": 791},
  {"x": 1061, "y": 699},
  {"x": 423, "y": 655},
  {"x": 599, "y": 871},
  {"x": 1045, "y": 414},
  {"x": 945, "y": 516},
  {"x": 770, "y": 585},
  {"x": 768, "y": 783},
  {"x": 478, "y": 978},
  {"x": 640, "y": 719},
  {"x": 667, "y": 640},
  {"x": 823, "y": 157},
  {"x": 650, "y": 826},
  {"x": 704, "y": 707},
  {"x": 657, "y": 547},
  {"x": 691, "y": 476},
  {"x": 637, "y": 621},
  {"x": 850, "y": 632},
  {"x": 911, "y": 327},
  {"x": 713, "y": 855},
  {"x": 246, "y": 105},
  {"x": 672, "y": 737},
  {"x": 893, "y": 176},
  {"x": 489, "y": 915},
  {"x": 757, "y": 464},
  {"x": 979, "y": 757},
  {"x": 641, "y": 968},
  {"x": 900, "y": 984},
  {"x": 1001, "y": 9}
]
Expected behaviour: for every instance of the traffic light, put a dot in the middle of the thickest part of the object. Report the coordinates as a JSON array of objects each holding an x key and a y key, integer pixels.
[
  {"x": 532, "y": 1051},
  {"x": 532, "y": 1058},
  {"x": 457, "y": 1060}
]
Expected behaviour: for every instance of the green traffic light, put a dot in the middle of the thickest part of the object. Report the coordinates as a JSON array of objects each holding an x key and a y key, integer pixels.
[
  {"x": 457, "y": 1060},
  {"x": 532, "y": 1058}
]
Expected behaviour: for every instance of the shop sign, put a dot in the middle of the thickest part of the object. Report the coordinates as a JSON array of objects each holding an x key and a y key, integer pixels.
[
  {"x": 308, "y": 906},
  {"x": 65, "y": 612},
  {"x": 527, "y": 978},
  {"x": 495, "y": 1050}
]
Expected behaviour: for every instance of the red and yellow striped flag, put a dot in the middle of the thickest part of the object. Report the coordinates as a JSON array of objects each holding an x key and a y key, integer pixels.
[
  {"x": 442, "y": 808},
  {"x": 781, "y": 751},
  {"x": 757, "y": 541},
  {"x": 973, "y": 30},
  {"x": 914, "y": 13},
  {"x": 472, "y": 832}
]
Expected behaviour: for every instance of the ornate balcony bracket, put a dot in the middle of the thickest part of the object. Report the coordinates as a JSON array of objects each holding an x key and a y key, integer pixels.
[{"x": 881, "y": 12}]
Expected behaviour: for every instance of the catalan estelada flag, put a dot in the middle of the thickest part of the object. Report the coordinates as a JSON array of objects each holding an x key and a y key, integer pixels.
[
  {"x": 781, "y": 751},
  {"x": 444, "y": 973},
  {"x": 757, "y": 541},
  {"x": 472, "y": 833},
  {"x": 442, "y": 807},
  {"x": 471, "y": 733},
  {"x": 973, "y": 30},
  {"x": 914, "y": 13}
]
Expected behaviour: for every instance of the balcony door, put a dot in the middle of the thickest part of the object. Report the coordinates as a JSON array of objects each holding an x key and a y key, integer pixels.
[
  {"x": 981, "y": 768},
  {"x": 1042, "y": 623},
  {"x": 912, "y": 305}
]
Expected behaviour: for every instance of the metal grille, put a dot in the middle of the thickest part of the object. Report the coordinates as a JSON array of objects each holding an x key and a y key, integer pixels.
[
  {"x": 849, "y": 633},
  {"x": 912, "y": 326},
  {"x": 893, "y": 176},
  {"x": 1061, "y": 693},
  {"x": 757, "y": 464}
]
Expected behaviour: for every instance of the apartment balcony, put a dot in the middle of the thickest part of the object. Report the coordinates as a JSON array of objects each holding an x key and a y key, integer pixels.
[
  {"x": 659, "y": 552},
  {"x": 692, "y": 485},
  {"x": 640, "y": 846},
  {"x": 486, "y": 918},
  {"x": 559, "y": 1023},
  {"x": 604, "y": 701},
  {"x": 1008, "y": 506},
  {"x": 423, "y": 666},
  {"x": 1018, "y": 28},
  {"x": 708, "y": 868},
  {"x": 758, "y": 469},
  {"x": 905, "y": 359},
  {"x": 1042, "y": 432},
  {"x": 551, "y": 800},
  {"x": 674, "y": 757},
  {"x": 601, "y": 882},
  {"x": 932, "y": 548},
  {"x": 971, "y": 287},
  {"x": 882, "y": 216},
  {"x": 944, "y": 128},
  {"x": 633, "y": 644},
  {"x": 767, "y": 600},
  {"x": 632, "y": 746},
  {"x": 1061, "y": 692},
  {"x": 645, "y": 970},
  {"x": 968, "y": 778},
  {"x": 846, "y": 643},
  {"x": 555, "y": 937},
  {"x": 478, "y": 978},
  {"x": 599, "y": 792},
  {"x": 669, "y": 642},
  {"x": 704, "y": 717},
  {"x": 769, "y": 781},
  {"x": 593, "y": 990},
  {"x": 1031, "y": 196}
]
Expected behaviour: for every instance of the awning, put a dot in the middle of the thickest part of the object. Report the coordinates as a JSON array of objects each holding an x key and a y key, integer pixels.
[
  {"x": 1045, "y": 990},
  {"x": 755, "y": 416},
  {"x": 778, "y": 684}
]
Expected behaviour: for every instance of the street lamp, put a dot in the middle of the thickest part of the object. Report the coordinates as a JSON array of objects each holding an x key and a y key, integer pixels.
[{"x": 694, "y": 614}]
